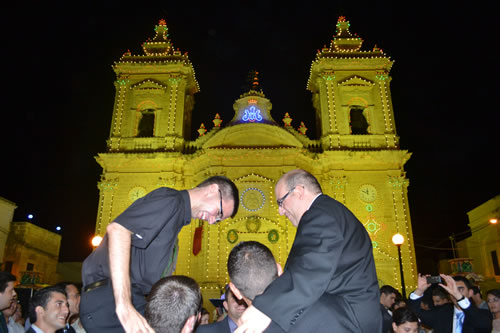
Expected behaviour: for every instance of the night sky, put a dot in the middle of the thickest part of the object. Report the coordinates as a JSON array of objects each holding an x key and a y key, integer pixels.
[{"x": 58, "y": 94}]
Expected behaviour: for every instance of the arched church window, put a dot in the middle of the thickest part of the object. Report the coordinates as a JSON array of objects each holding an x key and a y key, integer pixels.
[
  {"x": 146, "y": 123},
  {"x": 359, "y": 125}
]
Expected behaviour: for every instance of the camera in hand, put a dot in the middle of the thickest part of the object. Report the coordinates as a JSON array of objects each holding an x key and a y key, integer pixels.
[{"x": 433, "y": 279}]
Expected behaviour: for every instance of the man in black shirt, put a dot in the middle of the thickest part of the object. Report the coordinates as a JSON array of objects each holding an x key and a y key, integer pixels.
[{"x": 139, "y": 248}]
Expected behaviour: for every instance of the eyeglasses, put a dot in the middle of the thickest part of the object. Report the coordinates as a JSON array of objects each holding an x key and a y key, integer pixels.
[
  {"x": 221, "y": 213},
  {"x": 282, "y": 199}
]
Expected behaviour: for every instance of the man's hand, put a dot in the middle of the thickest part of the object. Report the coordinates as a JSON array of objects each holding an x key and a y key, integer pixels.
[
  {"x": 451, "y": 286},
  {"x": 422, "y": 284},
  {"x": 131, "y": 320},
  {"x": 252, "y": 321}
]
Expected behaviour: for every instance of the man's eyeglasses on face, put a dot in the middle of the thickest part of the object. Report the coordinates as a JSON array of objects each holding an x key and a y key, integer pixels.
[
  {"x": 221, "y": 213},
  {"x": 282, "y": 199}
]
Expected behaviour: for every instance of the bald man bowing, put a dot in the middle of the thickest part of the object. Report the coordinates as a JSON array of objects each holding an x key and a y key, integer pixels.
[{"x": 331, "y": 254}]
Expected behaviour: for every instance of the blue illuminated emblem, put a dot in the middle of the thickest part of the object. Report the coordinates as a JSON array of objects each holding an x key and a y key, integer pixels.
[{"x": 252, "y": 114}]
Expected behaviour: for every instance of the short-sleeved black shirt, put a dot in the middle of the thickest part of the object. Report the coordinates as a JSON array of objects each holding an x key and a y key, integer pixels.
[{"x": 155, "y": 221}]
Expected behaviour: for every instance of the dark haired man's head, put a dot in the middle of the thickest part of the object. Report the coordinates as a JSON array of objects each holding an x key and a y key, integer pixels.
[
  {"x": 7, "y": 291},
  {"x": 48, "y": 309},
  {"x": 214, "y": 199},
  {"x": 463, "y": 285},
  {"x": 73, "y": 296},
  {"x": 426, "y": 303},
  {"x": 466, "y": 281},
  {"x": 477, "y": 297},
  {"x": 388, "y": 295},
  {"x": 404, "y": 320},
  {"x": 205, "y": 317},
  {"x": 251, "y": 267},
  {"x": 440, "y": 296},
  {"x": 399, "y": 302},
  {"x": 476, "y": 291},
  {"x": 173, "y": 305},
  {"x": 493, "y": 300},
  {"x": 233, "y": 306},
  {"x": 228, "y": 190}
]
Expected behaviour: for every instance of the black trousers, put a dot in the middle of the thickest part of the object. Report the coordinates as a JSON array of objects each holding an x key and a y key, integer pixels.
[{"x": 97, "y": 310}]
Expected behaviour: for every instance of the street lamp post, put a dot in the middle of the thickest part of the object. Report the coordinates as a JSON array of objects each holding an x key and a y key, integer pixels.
[{"x": 398, "y": 239}]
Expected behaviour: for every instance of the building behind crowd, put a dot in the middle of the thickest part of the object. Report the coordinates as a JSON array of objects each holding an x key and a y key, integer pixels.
[
  {"x": 355, "y": 152},
  {"x": 32, "y": 254},
  {"x": 6, "y": 214},
  {"x": 483, "y": 246}
]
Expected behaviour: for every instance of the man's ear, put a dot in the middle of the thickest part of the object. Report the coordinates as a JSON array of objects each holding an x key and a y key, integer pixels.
[
  {"x": 189, "y": 325},
  {"x": 300, "y": 191},
  {"x": 208, "y": 192},
  {"x": 280, "y": 269},
  {"x": 39, "y": 312},
  {"x": 235, "y": 291}
]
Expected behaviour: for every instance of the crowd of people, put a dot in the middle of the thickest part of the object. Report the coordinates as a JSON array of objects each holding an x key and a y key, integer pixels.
[
  {"x": 329, "y": 282},
  {"x": 452, "y": 305},
  {"x": 174, "y": 304}
]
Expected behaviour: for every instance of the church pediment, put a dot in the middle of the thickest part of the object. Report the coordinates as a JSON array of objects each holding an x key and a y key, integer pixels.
[
  {"x": 252, "y": 135},
  {"x": 148, "y": 85},
  {"x": 253, "y": 178},
  {"x": 356, "y": 81}
]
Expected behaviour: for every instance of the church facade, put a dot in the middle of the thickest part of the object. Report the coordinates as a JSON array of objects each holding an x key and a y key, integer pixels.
[{"x": 356, "y": 156}]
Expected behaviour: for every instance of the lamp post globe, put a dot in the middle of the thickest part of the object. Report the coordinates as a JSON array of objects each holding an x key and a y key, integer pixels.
[
  {"x": 96, "y": 241},
  {"x": 398, "y": 239}
]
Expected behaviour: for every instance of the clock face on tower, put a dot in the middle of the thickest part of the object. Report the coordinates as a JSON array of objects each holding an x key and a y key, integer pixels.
[
  {"x": 367, "y": 193},
  {"x": 136, "y": 193}
]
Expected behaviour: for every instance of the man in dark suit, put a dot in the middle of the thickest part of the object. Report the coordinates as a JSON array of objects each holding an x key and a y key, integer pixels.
[
  {"x": 451, "y": 316},
  {"x": 48, "y": 310},
  {"x": 331, "y": 261},
  {"x": 388, "y": 296},
  {"x": 252, "y": 267},
  {"x": 7, "y": 296}
]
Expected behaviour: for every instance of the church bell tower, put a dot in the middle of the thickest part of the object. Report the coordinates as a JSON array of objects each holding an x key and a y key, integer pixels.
[
  {"x": 150, "y": 126},
  {"x": 351, "y": 94},
  {"x": 154, "y": 97}
]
